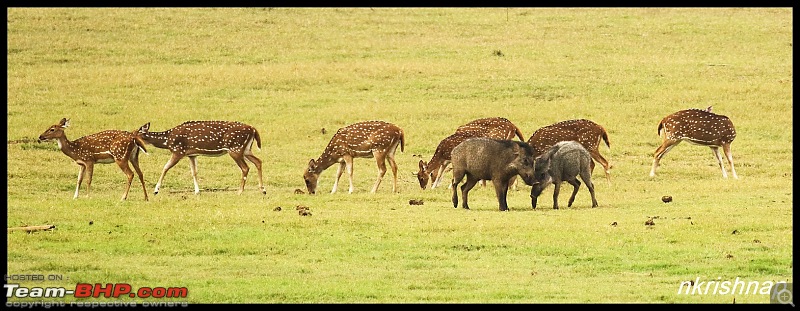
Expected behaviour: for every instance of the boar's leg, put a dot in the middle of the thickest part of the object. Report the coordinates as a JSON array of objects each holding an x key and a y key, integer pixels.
[
  {"x": 575, "y": 185},
  {"x": 465, "y": 188},
  {"x": 501, "y": 189}
]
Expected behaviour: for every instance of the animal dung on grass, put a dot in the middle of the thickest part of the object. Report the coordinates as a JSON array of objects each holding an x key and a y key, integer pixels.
[
  {"x": 303, "y": 210},
  {"x": 415, "y": 202},
  {"x": 649, "y": 222},
  {"x": 277, "y": 209},
  {"x": 298, "y": 191},
  {"x": 666, "y": 199}
]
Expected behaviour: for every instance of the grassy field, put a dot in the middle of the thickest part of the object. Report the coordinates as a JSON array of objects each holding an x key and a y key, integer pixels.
[{"x": 293, "y": 72}]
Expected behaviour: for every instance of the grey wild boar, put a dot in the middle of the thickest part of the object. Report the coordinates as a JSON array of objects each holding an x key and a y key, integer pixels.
[
  {"x": 490, "y": 159},
  {"x": 563, "y": 162}
]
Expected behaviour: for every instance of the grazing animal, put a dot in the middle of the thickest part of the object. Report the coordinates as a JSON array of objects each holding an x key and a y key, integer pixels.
[
  {"x": 434, "y": 168},
  {"x": 111, "y": 146},
  {"x": 700, "y": 127},
  {"x": 493, "y": 127},
  {"x": 586, "y": 132},
  {"x": 208, "y": 138},
  {"x": 563, "y": 162},
  {"x": 490, "y": 159},
  {"x": 366, "y": 139}
]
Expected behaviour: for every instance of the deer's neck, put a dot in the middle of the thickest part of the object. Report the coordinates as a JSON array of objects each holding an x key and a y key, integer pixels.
[
  {"x": 67, "y": 147},
  {"x": 328, "y": 158},
  {"x": 436, "y": 161},
  {"x": 157, "y": 139}
]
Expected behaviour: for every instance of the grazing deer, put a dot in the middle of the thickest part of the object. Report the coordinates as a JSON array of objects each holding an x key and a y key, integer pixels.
[
  {"x": 700, "y": 127},
  {"x": 492, "y": 127},
  {"x": 434, "y": 168},
  {"x": 366, "y": 139},
  {"x": 208, "y": 138},
  {"x": 111, "y": 146},
  {"x": 585, "y": 132}
]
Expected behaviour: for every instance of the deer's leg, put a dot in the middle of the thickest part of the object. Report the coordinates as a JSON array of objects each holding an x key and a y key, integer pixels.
[
  {"x": 80, "y": 179},
  {"x": 239, "y": 158},
  {"x": 727, "y": 149},
  {"x": 439, "y": 175},
  {"x": 135, "y": 162},
  {"x": 606, "y": 166},
  {"x": 348, "y": 161},
  {"x": 339, "y": 171},
  {"x": 257, "y": 162},
  {"x": 380, "y": 157},
  {"x": 662, "y": 150},
  {"x": 123, "y": 164},
  {"x": 715, "y": 150},
  {"x": 393, "y": 165},
  {"x": 172, "y": 161},
  {"x": 193, "y": 170}
]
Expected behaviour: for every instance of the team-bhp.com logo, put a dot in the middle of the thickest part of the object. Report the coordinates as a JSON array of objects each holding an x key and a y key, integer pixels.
[{"x": 85, "y": 290}]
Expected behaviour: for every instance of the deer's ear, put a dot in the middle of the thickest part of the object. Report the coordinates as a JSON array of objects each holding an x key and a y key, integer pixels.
[
  {"x": 311, "y": 163},
  {"x": 145, "y": 128},
  {"x": 64, "y": 123},
  {"x": 421, "y": 165}
]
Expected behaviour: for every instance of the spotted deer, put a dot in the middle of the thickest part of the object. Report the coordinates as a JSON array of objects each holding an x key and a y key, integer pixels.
[
  {"x": 586, "y": 132},
  {"x": 700, "y": 127},
  {"x": 434, "y": 168},
  {"x": 208, "y": 138},
  {"x": 366, "y": 139},
  {"x": 111, "y": 146},
  {"x": 492, "y": 127}
]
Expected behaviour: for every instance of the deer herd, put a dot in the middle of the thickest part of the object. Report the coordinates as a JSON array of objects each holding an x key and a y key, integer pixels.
[{"x": 380, "y": 140}]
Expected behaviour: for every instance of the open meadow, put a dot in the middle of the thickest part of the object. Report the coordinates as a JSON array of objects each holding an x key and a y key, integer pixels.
[{"x": 299, "y": 74}]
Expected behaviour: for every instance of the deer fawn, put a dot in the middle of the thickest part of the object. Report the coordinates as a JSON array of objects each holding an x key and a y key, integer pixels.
[
  {"x": 493, "y": 127},
  {"x": 111, "y": 146},
  {"x": 367, "y": 139},
  {"x": 208, "y": 138},
  {"x": 701, "y": 127},
  {"x": 585, "y": 132}
]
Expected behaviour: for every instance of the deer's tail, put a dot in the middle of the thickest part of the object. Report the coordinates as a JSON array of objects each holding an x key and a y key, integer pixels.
[
  {"x": 660, "y": 127},
  {"x": 519, "y": 133},
  {"x": 605, "y": 137},
  {"x": 257, "y": 138},
  {"x": 402, "y": 140}
]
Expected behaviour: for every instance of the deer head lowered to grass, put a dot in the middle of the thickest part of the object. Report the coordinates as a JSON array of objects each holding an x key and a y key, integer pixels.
[
  {"x": 700, "y": 127},
  {"x": 432, "y": 172},
  {"x": 207, "y": 138},
  {"x": 111, "y": 146},
  {"x": 366, "y": 139}
]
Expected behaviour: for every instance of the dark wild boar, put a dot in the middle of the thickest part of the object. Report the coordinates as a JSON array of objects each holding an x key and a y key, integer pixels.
[
  {"x": 490, "y": 159},
  {"x": 563, "y": 162}
]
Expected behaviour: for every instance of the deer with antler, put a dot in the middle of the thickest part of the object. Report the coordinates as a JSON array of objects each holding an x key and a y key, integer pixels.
[
  {"x": 366, "y": 139},
  {"x": 586, "y": 132},
  {"x": 492, "y": 127},
  {"x": 208, "y": 138},
  {"x": 700, "y": 127},
  {"x": 110, "y": 146}
]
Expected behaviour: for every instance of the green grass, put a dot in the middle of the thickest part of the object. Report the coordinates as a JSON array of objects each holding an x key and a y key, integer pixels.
[{"x": 292, "y": 72}]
